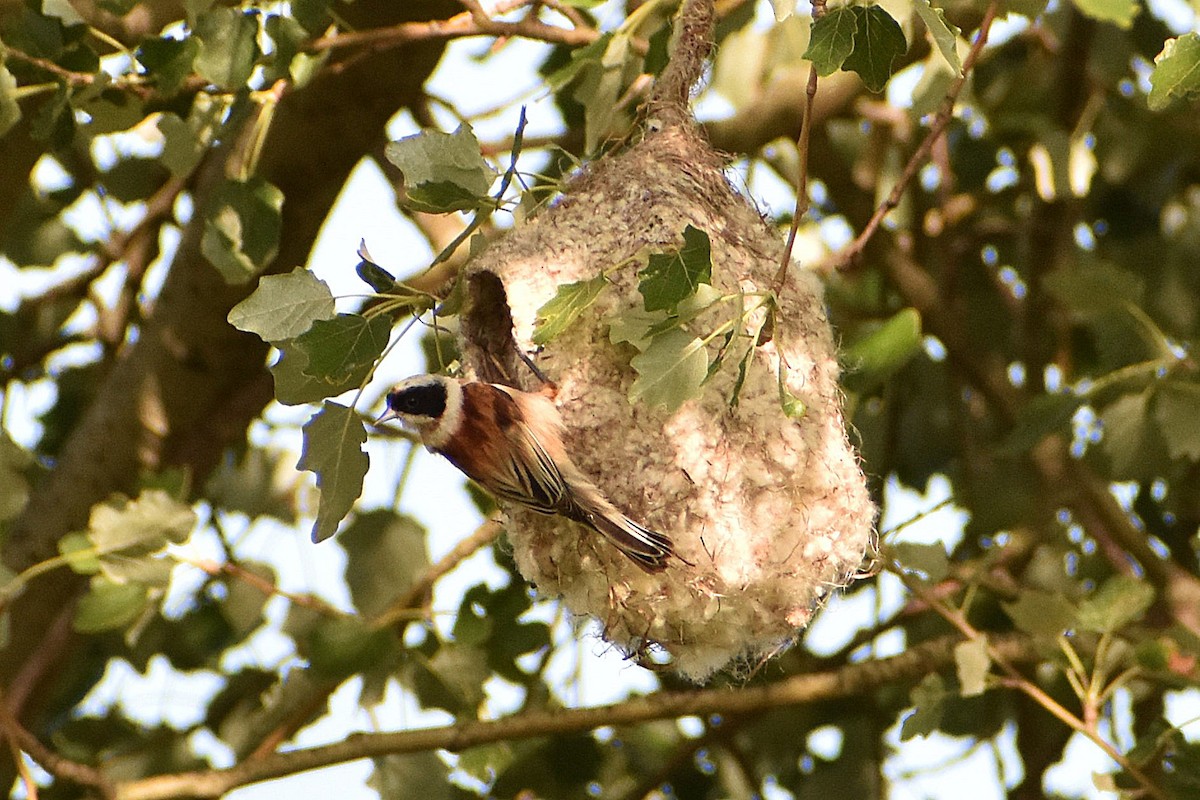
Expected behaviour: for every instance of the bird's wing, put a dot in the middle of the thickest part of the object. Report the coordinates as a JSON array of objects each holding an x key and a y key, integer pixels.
[{"x": 530, "y": 476}]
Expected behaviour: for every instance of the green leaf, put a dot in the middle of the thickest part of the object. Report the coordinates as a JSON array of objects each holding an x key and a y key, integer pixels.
[
  {"x": 293, "y": 387},
  {"x": 14, "y": 488},
  {"x": 670, "y": 370},
  {"x": 241, "y": 228},
  {"x": 1176, "y": 410},
  {"x": 333, "y": 441},
  {"x": 873, "y": 359},
  {"x": 1176, "y": 71},
  {"x": 228, "y": 46},
  {"x": 284, "y": 306},
  {"x": 1129, "y": 436},
  {"x": 671, "y": 277},
  {"x": 602, "y": 81},
  {"x": 81, "y": 555},
  {"x": 1095, "y": 288},
  {"x": 1118, "y": 12},
  {"x": 972, "y": 662},
  {"x": 1120, "y": 601},
  {"x": 110, "y": 606},
  {"x": 559, "y": 312},
  {"x": 168, "y": 61},
  {"x": 128, "y": 535},
  {"x": 1042, "y": 416},
  {"x": 929, "y": 699},
  {"x": 1041, "y": 613},
  {"x": 10, "y": 109},
  {"x": 343, "y": 646},
  {"x": 486, "y": 761},
  {"x": 339, "y": 347},
  {"x": 945, "y": 34},
  {"x": 422, "y": 775},
  {"x": 927, "y": 560},
  {"x": 442, "y": 171},
  {"x": 633, "y": 326},
  {"x": 386, "y": 553},
  {"x": 878, "y": 42},
  {"x": 832, "y": 40}
]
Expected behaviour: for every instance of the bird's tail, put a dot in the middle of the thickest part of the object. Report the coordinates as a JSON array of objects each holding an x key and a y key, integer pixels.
[{"x": 647, "y": 548}]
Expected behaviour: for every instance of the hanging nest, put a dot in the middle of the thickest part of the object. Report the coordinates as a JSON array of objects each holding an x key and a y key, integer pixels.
[{"x": 768, "y": 512}]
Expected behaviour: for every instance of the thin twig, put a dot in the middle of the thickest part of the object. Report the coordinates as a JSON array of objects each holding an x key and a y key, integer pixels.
[
  {"x": 850, "y": 255},
  {"x": 802, "y": 149},
  {"x": 415, "y": 597}
]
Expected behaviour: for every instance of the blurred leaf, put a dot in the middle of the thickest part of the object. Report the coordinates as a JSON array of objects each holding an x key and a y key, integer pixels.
[
  {"x": 670, "y": 370},
  {"x": 1130, "y": 438},
  {"x": 256, "y": 484},
  {"x": 109, "y": 606},
  {"x": 1042, "y": 416},
  {"x": 344, "y": 646},
  {"x": 832, "y": 40},
  {"x": 284, "y": 306},
  {"x": 1098, "y": 287},
  {"x": 1119, "y": 12},
  {"x": 339, "y": 347},
  {"x": 10, "y": 109},
  {"x": 486, "y": 761},
  {"x": 228, "y": 46},
  {"x": 168, "y": 61},
  {"x": 80, "y": 553},
  {"x": 669, "y": 278},
  {"x": 110, "y": 110},
  {"x": 928, "y": 560},
  {"x": 1120, "y": 601},
  {"x": 1176, "y": 71},
  {"x": 877, "y": 356},
  {"x": 1177, "y": 410},
  {"x": 1041, "y": 613},
  {"x": 14, "y": 488},
  {"x": 422, "y": 776},
  {"x": 244, "y": 604},
  {"x": 241, "y": 228},
  {"x": 333, "y": 441},
  {"x": 945, "y": 35},
  {"x": 128, "y": 534},
  {"x": 443, "y": 172},
  {"x": 559, "y": 312},
  {"x": 878, "y": 43},
  {"x": 973, "y": 663},
  {"x": 929, "y": 698},
  {"x": 386, "y": 554}
]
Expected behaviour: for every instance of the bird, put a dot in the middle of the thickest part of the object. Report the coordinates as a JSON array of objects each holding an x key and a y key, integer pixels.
[{"x": 511, "y": 443}]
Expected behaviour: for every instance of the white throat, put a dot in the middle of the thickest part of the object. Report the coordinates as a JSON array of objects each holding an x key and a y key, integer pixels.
[{"x": 436, "y": 435}]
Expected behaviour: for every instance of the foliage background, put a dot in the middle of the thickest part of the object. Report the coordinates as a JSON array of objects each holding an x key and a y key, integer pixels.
[{"x": 1018, "y": 330}]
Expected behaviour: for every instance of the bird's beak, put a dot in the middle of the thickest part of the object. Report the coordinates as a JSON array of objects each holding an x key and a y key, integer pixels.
[{"x": 389, "y": 414}]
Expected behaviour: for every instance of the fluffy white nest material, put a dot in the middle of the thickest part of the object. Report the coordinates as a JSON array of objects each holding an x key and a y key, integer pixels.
[{"x": 768, "y": 513}]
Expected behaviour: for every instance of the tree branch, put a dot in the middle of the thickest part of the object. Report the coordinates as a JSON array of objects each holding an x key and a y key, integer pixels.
[
  {"x": 850, "y": 255},
  {"x": 848, "y": 681}
]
